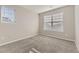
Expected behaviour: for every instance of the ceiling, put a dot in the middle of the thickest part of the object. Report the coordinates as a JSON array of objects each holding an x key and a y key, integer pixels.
[{"x": 41, "y": 8}]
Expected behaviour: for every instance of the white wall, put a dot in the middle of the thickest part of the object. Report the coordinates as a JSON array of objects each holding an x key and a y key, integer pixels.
[
  {"x": 68, "y": 23},
  {"x": 77, "y": 25},
  {"x": 26, "y": 26}
]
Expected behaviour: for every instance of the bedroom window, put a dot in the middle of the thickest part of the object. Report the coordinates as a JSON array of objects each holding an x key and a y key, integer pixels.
[
  {"x": 7, "y": 15},
  {"x": 54, "y": 22}
]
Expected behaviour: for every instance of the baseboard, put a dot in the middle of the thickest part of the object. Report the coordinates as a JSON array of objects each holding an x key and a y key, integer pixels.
[
  {"x": 58, "y": 38},
  {"x": 17, "y": 40}
]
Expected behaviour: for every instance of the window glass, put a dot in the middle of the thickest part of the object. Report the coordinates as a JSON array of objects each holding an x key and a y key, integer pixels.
[
  {"x": 7, "y": 15},
  {"x": 54, "y": 22}
]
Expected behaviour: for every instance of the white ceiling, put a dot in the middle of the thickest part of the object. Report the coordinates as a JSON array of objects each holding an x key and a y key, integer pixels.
[{"x": 41, "y": 8}]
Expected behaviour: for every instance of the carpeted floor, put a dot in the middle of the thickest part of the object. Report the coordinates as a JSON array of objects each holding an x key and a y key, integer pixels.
[{"x": 41, "y": 43}]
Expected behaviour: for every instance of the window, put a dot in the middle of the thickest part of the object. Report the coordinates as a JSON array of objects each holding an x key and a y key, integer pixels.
[
  {"x": 54, "y": 22},
  {"x": 7, "y": 15}
]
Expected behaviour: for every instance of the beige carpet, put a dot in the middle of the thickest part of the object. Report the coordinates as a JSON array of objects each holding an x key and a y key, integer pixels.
[{"x": 42, "y": 43}]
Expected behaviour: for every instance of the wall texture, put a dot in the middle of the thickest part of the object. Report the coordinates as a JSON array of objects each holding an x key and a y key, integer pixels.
[
  {"x": 26, "y": 26},
  {"x": 68, "y": 16},
  {"x": 77, "y": 25}
]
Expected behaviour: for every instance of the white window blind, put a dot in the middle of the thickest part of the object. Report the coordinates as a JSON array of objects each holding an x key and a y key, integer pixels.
[
  {"x": 7, "y": 15},
  {"x": 54, "y": 22}
]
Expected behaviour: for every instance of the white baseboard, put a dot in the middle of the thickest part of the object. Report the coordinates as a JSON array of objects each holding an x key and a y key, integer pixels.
[
  {"x": 17, "y": 40},
  {"x": 67, "y": 39}
]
